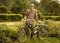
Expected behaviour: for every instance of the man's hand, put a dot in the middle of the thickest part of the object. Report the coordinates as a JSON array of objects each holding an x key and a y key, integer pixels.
[
  {"x": 40, "y": 22},
  {"x": 25, "y": 18}
]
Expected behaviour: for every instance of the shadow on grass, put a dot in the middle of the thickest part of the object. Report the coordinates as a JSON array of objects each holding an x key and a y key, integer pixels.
[{"x": 48, "y": 40}]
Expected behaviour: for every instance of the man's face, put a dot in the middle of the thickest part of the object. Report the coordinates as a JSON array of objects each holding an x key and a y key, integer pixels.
[{"x": 32, "y": 7}]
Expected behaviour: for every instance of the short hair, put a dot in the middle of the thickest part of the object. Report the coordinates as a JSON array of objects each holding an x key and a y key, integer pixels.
[{"x": 32, "y": 5}]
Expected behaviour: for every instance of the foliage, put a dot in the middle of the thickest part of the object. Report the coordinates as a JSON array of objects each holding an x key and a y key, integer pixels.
[
  {"x": 5, "y": 2},
  {"x": 54, "y": 28},
  {"x": 55, "y": 18},
  {"x": 45, "y": 6},
  {"x": 3, "y": 9},
  {"x": 49, "y": 6},
  {"x": 10, "y": 17},
  {"x": 6, "y": 32},
  {"x": 19, "y": 6}
]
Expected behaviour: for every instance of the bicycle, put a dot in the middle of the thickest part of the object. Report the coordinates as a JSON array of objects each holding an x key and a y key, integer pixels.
[{"x": 41, "y": 31}]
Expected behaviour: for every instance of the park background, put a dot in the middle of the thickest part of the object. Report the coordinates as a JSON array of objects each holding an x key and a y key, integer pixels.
[{"x": 12, "y": 13}]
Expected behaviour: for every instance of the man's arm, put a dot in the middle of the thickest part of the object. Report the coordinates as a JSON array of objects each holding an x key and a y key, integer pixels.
[
  {"x": 25, "y": 15},
  {"x": 36, "y": 16}
]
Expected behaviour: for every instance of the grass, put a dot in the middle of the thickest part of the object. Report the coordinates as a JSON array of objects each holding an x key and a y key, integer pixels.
[
  {"x": 36, "y": 40},
  {"x": 48, "y": 40}
]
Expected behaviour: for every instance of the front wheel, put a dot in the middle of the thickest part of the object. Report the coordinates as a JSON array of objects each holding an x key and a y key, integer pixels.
[{"x": 22, "y": 35}]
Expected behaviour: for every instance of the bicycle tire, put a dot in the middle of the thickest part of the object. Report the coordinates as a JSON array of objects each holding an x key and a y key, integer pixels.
[
  {"x": 42, "y": 31},
  {"x": 22, "y": 35}
]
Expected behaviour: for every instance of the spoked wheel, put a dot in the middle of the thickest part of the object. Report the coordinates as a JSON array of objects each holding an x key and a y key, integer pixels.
[
  {"x": 42, "y": 32},
  {"x": 22, "y": 35}
]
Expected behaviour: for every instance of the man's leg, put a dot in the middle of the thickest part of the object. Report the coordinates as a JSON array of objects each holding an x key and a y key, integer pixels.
[
  {"x": 31, "y": 26},
  {"x": 27, "y": 30}
]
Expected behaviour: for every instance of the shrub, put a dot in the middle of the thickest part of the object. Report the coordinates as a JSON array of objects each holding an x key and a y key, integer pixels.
[
  {"x": 15, "y": 9},
  {"x": 10, "y": 17},
  {"x": 3, "y": 9},
  {"x": 55, "y": 18},
  {"x": 54, "y": 28},
  {"x": 6, "y": 32},
  {"x": 51, "y": 14}
]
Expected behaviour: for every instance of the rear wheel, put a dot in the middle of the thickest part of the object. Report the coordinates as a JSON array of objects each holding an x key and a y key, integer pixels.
[{"x": 42, "y": 32}]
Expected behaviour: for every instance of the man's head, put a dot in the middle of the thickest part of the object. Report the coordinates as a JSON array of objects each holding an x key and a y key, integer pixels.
[{"x": 32, "y": 6}]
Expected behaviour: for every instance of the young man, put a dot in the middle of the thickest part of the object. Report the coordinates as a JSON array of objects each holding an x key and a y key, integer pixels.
[{"x": 31, "y": 14}]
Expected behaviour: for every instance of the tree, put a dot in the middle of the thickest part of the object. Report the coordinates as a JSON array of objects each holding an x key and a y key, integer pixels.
[
  {"x": 19, "y": 6},
  {"x": 5, "y": 2},
  {"x": 49, "y": 6}
]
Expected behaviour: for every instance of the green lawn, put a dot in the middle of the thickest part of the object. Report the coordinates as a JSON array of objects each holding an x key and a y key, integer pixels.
[{"x": 48, "y": 40}]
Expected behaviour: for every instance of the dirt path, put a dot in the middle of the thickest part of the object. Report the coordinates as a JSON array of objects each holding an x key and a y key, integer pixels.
[{"x": 10, "y": 23}]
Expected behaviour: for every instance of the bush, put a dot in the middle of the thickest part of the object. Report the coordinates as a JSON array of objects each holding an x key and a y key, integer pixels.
[
  {"x": 47, "y": 17},
  {"x": 54, "y": 28},
  {"x": 3, "y": 9},
  {"x": 6, "y": 32},
  {"x": 51, "y": 14},
  {"x": 15, "y": 9},
  {"x": 10, "y": 17},
  {"x": 55, "y": 18},
  {"x": 19, "y": 6}
]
